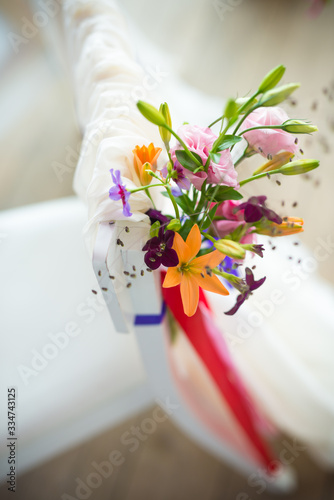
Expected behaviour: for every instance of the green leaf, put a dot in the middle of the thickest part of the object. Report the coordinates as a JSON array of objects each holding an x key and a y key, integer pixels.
[
  {"x": 227, "y": 142},
  {"x": 215, "y": 157},
  {"x": 222, "y": 193},
  {"x": 186, "y": 161},
  {"x": 185, "y": 203},
  {"x": 209, "y": 218},
  {"x": 154, "y": 231}
]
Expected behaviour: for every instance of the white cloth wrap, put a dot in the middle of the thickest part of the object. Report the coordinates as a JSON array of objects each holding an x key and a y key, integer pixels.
[{"x": 105, "y": 76}]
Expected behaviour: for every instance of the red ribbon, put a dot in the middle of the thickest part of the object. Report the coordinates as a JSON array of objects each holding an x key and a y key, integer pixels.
[{"x": 199, "y": 330}]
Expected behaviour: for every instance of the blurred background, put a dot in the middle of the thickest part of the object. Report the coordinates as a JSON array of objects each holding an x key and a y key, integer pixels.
[{"x": 218, "y": 47}]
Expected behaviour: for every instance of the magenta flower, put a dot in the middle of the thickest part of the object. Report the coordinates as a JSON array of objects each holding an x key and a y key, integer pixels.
[
  {"x": 255, "y": 208},
  {"x": 268, "y": 141},
  {"x": 159, "y": 250},
  {"x": 119, "y": 192},
  {"x": 251, "y": 286},
  {"x": 233, "y": 218}
]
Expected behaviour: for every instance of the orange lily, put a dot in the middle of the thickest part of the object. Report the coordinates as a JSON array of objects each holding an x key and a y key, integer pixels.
[
  {"x": 145, "y": 158},
  {"x": 290, "y": 225},
  {"x": 193, "y": 272}
]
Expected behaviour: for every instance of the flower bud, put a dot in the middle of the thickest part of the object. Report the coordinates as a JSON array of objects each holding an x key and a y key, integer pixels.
[
  {"x": 164, "y": 133},
  {"x": 154, "y": 231},
  {"x": 272, "y": 78},
  {"x": 241, "y": 102},
  {"x": 277, "y": 95},
  {"x": 278, "y": 161},
  {"x": 290, "y": 225},
  {"x": 298, "y": 127},
  {"x": 299, "y": 167},
  {"x": 231, "y": 109},
  {"x": 174, "y": 225},
  {"x": 231, "y": 248},
  {"x": 151, "y": 113}
]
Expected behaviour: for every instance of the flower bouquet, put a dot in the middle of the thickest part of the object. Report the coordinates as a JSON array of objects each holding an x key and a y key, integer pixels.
[{"x": 201, "y": 237}]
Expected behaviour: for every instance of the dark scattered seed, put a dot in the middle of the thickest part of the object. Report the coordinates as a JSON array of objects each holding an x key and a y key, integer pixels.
[
  {"x": 253, "y": 267},
  {"x": 112, "y": 277},
  {"x": 314, "y": 106},
  {"x": 148, "y": 270},
  {"x": 133, "y": 276},
  {"x": 134, "y": 268},
  {"x": 290, "y": 160},
  {"x": 269, "y": 157},
  {"x": 294, "y": 204},
  {"x": 128, "y": 285},
  {"x": 278, "y": 183},
  {"x": 127, "y": 230},
  {"x": 120, "y": 242},
  {"x": 261, "y": 150},
  {"x": 325, "y": 90},
  {"x": 283, "y": 203},
  {"x": 99, "y": 273},
  {"x": 285, "y": 219},
  {"x": 126, "y": 273},
  {"x": 299, "y": 261},
  {"x": 273, "y": 248},
  {"x": 296, "y": 140},
  {"x": 268, "y": 175},
  {"x": 142, "y": 273},
  {"x": 94, "y": 291},
  {"x": 293, "y": 102},
  {"x": 105, "y": 289},
  {"x": 296, "y": 243},
  {"x": 290, "y": 258},
  {"x": 301, "y": 151},
  {"x": 317, "y": 183}
]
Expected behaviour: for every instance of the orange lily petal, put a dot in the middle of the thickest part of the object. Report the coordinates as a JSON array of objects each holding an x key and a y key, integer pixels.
[
  {"x": 189, "y": 294},
  {"x": 172, "y": 278},
  {"x": 194, "y": 241},
  {"x": 182, "y": 249},
  {"x": 211, "y": 259},
  {"x": 210, "y": 283}
]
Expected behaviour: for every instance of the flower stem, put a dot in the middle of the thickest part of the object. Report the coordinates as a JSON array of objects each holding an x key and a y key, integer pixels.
[
  {"x": 258, "y": 176},
  {"x": 143, "y": 188},
  {"x": 176, "y": 208},
  {"x": 189, "y": 153}
]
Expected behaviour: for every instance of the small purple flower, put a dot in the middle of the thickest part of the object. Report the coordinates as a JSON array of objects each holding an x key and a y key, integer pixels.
[
  {"x": 178, "y": 175},
  {"x": 255, "y": 208},
  {"x": 156, "y": 215},
  {"x": 252, "y": 285},
  {"x": 159, "y": 250},
  {"x": 119, "y": 192}
]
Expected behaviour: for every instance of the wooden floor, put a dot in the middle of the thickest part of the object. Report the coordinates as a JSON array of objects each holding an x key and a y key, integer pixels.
[{"x": 165, "y": 466}]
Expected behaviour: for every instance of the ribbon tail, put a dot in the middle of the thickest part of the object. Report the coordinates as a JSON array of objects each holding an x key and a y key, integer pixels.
[{"x": 208, "y": 342}]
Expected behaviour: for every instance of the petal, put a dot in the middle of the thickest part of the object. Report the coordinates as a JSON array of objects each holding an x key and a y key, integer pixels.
[
  {"x": 194, "y": 241},
  {"x": 170, "y": 259},
  {"x": 173, "y": 278},
  {"x": 189, "y": 294},
  {"x": 211, "y": 259},
  {"x": 181, "y": 248},
  {"x": 210, "y": 283}
]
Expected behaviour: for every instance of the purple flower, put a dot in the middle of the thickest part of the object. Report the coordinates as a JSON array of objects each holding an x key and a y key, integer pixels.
[
  {"x": 177, "y": 175},
  {"x": 119, "y": 192},
  {"x": 255, "y": 208},
  {"x": 251, "y": 286},
  {"x": 159, "y": 250},
  {"x": 156, "y": 215}
]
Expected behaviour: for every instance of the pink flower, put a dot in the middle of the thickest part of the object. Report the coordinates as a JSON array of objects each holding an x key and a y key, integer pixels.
[
  {"x": 268, "y": 141},
  {"x": 232, "y": 221},
  {"x": 200, "y": 140},
  {"x": 316, "y": 7},
  {"x": 224, "y": 171},
  {"x": 197, "y": 139}
]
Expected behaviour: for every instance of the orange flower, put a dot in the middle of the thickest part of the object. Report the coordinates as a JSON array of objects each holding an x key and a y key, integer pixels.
[
  {"x": 145, "y": 158},
  {"x": 290, "y": 225},
  {"x": 193, "y": 272}
]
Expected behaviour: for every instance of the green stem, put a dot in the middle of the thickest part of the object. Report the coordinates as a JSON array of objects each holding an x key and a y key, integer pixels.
[
  {"x": 189, "y": 153},
  {"x": 150, "y": 197},
  {"x": 248, "y": 112},
  {"x": 143, "y": 188},
  {"x": 176, "y": 208},
  {"x": 258, "y": 176},
  {"x": 208, "y": 237},
  {"x": 276, "y": 127},
  {"x": 216, "y": 121}
]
